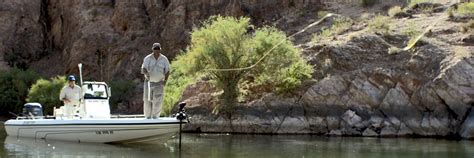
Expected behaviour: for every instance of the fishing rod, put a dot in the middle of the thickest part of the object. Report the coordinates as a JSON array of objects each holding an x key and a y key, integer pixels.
[{"x": 181, "y": 115}]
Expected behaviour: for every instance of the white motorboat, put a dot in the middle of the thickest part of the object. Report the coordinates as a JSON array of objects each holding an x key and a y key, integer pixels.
[
  {"x": 92, "y": 122},
  {"x": 115, "y": 130}
]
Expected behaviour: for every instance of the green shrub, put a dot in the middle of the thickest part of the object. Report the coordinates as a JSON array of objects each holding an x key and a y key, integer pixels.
[
  {"x": 292, "y": 77},
  {"x": 14, "y": 85},
  {"x": 46, "y": 92},
  {"x": 226, "y": 43},
  {"x": 466, "y": 9},
  {"x": 176, "y": 84},
  {"x": 380, "y": 24},
  {"x": 121, "y": 91},
  {"x": 394, "y": 10}
]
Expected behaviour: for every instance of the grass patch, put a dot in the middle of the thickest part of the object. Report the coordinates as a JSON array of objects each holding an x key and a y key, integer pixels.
[
  {"x": 468, "y": 27},
  {"x": 394, "y": 10},
  {"x": 414, "y": 2},
  {"x": 466, "y": 9},
  {"x": 411, "y": 30},
  {"x": 339, "y": 25},
  {"x": 380, "y": 24},
  {"x": 412, "y": 33}
]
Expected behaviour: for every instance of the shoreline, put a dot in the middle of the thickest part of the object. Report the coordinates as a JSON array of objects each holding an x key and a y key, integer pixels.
[{"x": 449, "y": 138}]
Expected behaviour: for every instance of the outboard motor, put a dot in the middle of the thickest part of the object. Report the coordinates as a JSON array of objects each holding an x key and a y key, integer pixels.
[
  {"x": 33, "y": 110},
  {"x": 181, "y": 115}
]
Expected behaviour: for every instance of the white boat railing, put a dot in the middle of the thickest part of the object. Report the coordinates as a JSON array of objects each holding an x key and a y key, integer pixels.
[
  {"x": 127, "y": 116},
  {"x": 53, "y": 117}
]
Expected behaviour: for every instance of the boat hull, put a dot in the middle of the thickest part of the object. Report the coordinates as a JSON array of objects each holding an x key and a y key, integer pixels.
[{"x": 96, "y": 131}]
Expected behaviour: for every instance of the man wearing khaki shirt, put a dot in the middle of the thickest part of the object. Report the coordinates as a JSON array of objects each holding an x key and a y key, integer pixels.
[
  {"x": 70, "y": 95},
  {"x": 156, "y": 69}
]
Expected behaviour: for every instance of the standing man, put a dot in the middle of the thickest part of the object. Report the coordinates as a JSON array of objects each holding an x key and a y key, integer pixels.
[
  {"x": 70, "y": 95},
  {"x": 155, "y": 68}
]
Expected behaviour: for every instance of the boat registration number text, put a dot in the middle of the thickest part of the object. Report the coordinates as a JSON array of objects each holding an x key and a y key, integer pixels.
[{"x": 104, "y": 132}]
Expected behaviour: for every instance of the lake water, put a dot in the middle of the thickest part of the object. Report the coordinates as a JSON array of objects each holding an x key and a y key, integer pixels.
[{"x": 245, "y": 146}]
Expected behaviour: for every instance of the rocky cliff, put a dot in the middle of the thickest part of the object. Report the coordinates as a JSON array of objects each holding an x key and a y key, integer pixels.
[
  {"x": 111, "y": 37},
  {"x": 358, "y": 88}
]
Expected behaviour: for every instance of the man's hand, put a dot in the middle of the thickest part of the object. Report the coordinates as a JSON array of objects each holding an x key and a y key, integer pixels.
[{"x": 147, "y": 76}]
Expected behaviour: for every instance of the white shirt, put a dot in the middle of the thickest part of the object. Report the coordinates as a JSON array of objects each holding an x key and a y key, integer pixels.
[
  {"x": 157, "y": 68},
  {"x": 73, "y": 94}
]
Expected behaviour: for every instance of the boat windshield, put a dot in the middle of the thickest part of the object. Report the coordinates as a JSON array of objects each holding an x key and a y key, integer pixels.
[{"x": 95, "y": 91}]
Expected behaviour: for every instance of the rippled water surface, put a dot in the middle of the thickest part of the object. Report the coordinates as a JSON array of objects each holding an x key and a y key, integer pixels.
[{"x": 248, "y": 146}]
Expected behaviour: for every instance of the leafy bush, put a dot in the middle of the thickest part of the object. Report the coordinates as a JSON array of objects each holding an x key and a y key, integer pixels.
[
  {"x": 292, "y": 76},
  {"x": 394, "y": 10},
  {"x": 121, "y": 93},
  {"x": 380, "y": 24},
  {"x": 176, "y": 84},
  {"x": 14, "y": 85},
  {"x": 227, "y": 43},
  {"x": 46, "y": 92}
]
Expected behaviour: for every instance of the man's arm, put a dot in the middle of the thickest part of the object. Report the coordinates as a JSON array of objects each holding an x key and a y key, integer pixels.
[
  {"x": 62, "y": 97},
  {"x": 144, "y": 71}
]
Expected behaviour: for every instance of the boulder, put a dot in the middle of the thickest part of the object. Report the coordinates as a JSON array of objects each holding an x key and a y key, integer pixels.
[{"x": 467, "y": 128}]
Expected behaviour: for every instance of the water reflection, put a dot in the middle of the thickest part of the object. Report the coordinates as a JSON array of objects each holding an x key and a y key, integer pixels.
[
  {"x": 248, "y": 146},
  {"x": 26, "y": 147},
  {"x": 315, "y": 146}
]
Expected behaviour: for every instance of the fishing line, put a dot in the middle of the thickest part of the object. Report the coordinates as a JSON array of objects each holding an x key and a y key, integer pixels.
[
  {"x": 275, "y": 46},
  {"x": 408, "y": 47}
]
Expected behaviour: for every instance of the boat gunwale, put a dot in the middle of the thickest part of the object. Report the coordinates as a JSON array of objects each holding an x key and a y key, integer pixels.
[{"x": 102, "y": 124}]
